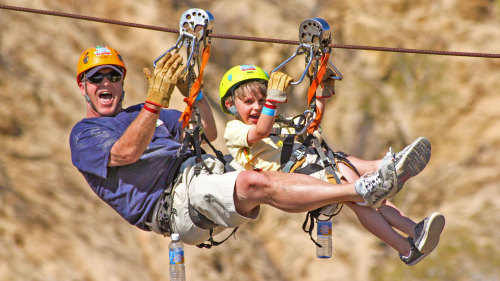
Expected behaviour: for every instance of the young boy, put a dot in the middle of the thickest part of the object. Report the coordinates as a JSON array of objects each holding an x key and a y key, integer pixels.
[{"x": 248, "y": 93}]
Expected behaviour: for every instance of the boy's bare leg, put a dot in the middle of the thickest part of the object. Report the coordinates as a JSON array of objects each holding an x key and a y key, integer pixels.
[
  {"x": 389, "y": 211},
  {"x": 363, "y": 167},
  {"x": 397, "y": 219},
  {"x": 374, "y": 222}
]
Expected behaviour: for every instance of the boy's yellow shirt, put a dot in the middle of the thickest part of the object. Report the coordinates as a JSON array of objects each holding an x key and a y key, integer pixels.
[{"x": 264, "y": 154}]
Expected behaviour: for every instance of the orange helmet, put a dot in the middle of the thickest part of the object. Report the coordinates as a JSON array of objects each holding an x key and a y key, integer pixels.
[{"x": 98, "y": 55}]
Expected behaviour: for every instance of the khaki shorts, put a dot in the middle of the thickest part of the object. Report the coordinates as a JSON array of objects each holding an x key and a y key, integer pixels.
[{"x": 210, "y": 194}]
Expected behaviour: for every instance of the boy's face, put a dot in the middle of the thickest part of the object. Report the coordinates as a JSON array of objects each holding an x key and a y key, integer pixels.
[{"x": 250, "y": 106}]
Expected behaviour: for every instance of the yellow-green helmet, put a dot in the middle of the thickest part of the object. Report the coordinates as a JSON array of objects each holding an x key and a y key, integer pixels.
[{"x": 234, "y": 77}]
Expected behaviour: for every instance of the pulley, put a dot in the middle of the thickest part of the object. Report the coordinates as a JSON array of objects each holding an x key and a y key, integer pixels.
[
  {"x": 194, "y": 27},
  {"x": 314, "y": 38}
]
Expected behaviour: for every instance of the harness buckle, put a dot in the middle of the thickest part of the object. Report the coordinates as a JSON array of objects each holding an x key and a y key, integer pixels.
[
  {"x": 299, "y": 154},
  {"x": 161, "y": 215}
]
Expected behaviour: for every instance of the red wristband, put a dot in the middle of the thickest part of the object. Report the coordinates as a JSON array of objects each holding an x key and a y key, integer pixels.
[
  {"x": 150, "y": 109},
  {"x": 271, "y": 106}
]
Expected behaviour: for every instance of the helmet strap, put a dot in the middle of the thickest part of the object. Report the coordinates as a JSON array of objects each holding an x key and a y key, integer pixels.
[
  {"x": 121, "y": 99},
  {"x": 232, "y": 108},
  {"x": 234, "y": 112},
  {"x": 84, "y": 79}
]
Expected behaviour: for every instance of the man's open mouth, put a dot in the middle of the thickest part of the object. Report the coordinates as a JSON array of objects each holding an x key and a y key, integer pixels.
[{"x": 105, "y": 98}]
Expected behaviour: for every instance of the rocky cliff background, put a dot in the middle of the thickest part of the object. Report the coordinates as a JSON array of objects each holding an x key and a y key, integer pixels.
[{"x": 52, "y": 226}]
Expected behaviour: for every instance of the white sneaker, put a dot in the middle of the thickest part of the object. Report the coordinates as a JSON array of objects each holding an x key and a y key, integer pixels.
[{"x": 377, "y": 186}]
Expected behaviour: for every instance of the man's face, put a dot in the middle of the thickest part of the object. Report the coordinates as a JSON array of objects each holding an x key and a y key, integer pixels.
[{"x": 104, "y": 89}]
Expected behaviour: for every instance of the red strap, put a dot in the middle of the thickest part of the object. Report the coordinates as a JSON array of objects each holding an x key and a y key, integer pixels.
[
  {"x": 146, "y": 107},
  {"x": 271, "y": 106},
  {"x": 186, "y": 115},
  {"x": 312, "y": 92}
]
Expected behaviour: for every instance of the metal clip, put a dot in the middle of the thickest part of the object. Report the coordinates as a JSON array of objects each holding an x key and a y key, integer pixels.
[
  {"x": 194, "y": 27},
  {"x": 308, "y": 119},
  {"x": 315, "y": 38}
]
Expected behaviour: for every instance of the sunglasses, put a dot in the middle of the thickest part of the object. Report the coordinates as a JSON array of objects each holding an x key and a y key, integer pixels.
[{"x": 113, "y": 77}]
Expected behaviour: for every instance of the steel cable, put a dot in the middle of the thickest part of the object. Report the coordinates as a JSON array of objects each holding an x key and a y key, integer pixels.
[{"x": 248, "y": 38}]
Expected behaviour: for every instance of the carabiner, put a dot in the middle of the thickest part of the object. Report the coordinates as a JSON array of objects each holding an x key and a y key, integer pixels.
[{"x": 308, "y": 116}]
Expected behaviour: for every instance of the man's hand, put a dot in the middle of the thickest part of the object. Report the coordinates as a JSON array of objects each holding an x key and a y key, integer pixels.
[
  {"x": 277, "y": 87},
  {"x": 162, "y": 82}
]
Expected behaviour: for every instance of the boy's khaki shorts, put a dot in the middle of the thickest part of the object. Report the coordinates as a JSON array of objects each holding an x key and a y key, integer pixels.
[{"x": 211, "y": 195}]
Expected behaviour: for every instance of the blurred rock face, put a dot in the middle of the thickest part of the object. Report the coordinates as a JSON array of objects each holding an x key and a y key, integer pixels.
[{"x": 52, "y": 227}]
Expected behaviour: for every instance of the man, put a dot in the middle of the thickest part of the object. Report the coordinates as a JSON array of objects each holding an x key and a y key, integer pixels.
[{"x": 126, "y": 156}]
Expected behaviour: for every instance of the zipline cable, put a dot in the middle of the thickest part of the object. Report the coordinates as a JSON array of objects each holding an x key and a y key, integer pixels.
[{"x": 248, "y": 38}]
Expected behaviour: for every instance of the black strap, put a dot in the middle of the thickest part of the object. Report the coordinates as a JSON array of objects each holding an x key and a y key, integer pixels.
[
  {"x": 216, "y": 243},
  {"x": 325, "y": 161},
  {"x": 297, "y": 154},
  {"x": 341, "y": 156},
  {"x": 309, "y": 169},
  {"x": 310, "y": 218},
  {"x": 198, "y": 218},
  {"x": 218, "y": 154},
  {"x": 286, "y": 151}
]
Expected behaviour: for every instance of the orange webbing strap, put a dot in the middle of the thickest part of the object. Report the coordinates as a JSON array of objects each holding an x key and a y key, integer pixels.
[
  {"x": 312, "y": 92},
  {"x": 186, "y": 115}
]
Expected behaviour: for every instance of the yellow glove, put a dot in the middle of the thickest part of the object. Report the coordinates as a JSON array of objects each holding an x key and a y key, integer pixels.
[
  {"x": 162, "y": 82},
  {"x": 277, "y": 86}
]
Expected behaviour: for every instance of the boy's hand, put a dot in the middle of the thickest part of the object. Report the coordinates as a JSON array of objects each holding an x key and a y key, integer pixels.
[
  {"x": 328, "y": 84},
  {"x": 162, "y": 82},
  {"x": 183, "y": 84},
  {"x": 277, "y": 87}
]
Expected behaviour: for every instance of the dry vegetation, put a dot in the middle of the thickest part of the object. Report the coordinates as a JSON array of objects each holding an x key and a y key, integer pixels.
[{"x": 52, "y": 227}]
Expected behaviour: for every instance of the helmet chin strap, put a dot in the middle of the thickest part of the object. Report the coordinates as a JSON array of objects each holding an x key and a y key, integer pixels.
[
  {"x": 232, "y": 108},
  {"x": 87, "y": 95}
]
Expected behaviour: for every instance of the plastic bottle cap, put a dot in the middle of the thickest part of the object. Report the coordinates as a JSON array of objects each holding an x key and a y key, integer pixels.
[{"x": 175, "y": 236}]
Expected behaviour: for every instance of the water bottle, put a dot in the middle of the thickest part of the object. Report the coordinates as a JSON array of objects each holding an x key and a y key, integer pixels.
[
  {"x": 324, "y": 239},
  {"x": 176, "y": 257}
]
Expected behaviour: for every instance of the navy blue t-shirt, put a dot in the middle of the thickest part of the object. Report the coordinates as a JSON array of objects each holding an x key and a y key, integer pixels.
[{"x": 131, "y": 190}]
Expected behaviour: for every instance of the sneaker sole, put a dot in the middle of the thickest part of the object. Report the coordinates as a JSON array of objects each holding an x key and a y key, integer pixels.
[
  {"x": 413, "y": 160},
  {"x": 416, "y": 158},
  {"x": 433, "y": 230}
]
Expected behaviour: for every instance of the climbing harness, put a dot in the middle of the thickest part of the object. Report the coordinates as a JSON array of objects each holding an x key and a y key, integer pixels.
[
  {"x": 315, "y": 38},
  {"x": 194, "y": 27}
]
